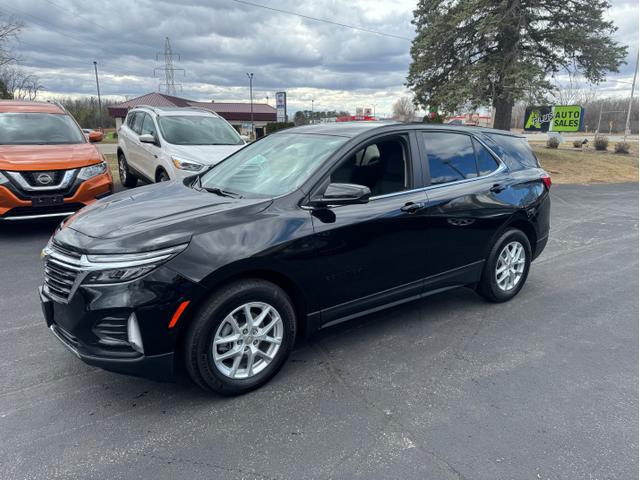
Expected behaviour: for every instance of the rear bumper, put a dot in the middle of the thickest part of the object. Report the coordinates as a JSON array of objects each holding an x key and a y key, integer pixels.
[{"x": 18, "y": 205}]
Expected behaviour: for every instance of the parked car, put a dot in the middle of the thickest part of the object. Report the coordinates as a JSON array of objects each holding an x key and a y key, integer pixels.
[
  {"x": 93, "y": 135},
  {"x": 161, "y": 144},
  {"x": 47, "y": 166},
  {"x": 298, "y": 231}
]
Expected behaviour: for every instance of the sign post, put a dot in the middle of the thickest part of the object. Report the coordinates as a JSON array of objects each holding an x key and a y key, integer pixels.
[{"x": 281, "y": 107}]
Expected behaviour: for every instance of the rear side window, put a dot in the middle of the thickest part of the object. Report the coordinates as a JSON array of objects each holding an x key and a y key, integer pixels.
[
  {"x": 514, "y": 151},
  {"x": 451, "y": 157},
  {"x": 486, "y": 162}
]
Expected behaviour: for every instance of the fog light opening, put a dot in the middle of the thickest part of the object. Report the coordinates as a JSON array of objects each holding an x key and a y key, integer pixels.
[{"x": 133, "y": 334}]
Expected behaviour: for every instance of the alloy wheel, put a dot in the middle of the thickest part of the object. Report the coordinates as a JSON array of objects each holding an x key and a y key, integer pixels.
[
  {"x": 247, "y": 340},
  {"x": 122, "y": 170},
  {"x": 510, "y": 266}
]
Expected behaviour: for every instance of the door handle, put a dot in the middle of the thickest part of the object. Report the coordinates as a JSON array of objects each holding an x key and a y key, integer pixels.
[
  {"x": 497, "y": 188},
  {"x": 411, "y": 207}
]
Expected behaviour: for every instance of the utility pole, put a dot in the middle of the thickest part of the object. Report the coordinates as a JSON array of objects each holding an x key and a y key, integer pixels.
[
  {"x": 99, "y": 118},
  {"x": 250, "y": 76},
  {"x": 627, "y": 129}
]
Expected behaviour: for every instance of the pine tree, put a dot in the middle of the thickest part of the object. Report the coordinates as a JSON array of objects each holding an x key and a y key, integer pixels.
[{"x": 481, "y": 52}]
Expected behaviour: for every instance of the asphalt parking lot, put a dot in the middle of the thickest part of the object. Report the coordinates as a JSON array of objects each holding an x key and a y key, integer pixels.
[{"x": 450, "y": 387}]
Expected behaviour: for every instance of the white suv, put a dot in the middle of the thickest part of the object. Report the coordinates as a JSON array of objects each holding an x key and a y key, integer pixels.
[{"x": 160, "y": 144}]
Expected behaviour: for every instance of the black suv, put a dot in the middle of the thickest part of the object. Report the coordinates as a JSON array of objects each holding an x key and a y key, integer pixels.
[{"x": 300, "y": 230}]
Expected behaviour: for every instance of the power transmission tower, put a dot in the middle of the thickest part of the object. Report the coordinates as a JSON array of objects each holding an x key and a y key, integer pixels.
[{"x": 169, "y": 85}]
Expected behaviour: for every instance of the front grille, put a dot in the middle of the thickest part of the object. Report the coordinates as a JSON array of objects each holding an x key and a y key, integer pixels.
[
  {"x": 61, "y": 272},
  {"x": 43, "y": 179}
]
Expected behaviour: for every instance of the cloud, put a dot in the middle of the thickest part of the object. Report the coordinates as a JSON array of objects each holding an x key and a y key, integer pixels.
[{"x": 219, "y": 41}]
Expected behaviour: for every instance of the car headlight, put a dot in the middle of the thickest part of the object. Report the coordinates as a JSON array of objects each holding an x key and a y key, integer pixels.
[
  {"x": 3, "y": 179},
  {"x": 189, "y": 165},
  {"x": 93, "y": 170},
  {"x": 117, "y": 268}
]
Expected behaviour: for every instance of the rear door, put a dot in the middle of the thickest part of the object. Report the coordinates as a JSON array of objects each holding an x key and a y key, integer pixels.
[
  {"x": 468, "y": 200},
  {"x": 372, "y": 254}
]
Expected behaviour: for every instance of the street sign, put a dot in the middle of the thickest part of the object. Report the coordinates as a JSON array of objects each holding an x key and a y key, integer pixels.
[
  {"x": 557, "y": 118},
  {"x": 281, "y": 106}
]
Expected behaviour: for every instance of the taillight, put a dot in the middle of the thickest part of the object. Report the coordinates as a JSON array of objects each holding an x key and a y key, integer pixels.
[{"x": 546, "y": 179}]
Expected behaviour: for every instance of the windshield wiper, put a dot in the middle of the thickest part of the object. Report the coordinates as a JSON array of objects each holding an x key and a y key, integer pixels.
[{"x": 221, "y": 192}]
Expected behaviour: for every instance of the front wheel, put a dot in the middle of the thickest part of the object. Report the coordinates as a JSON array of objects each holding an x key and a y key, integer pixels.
[
  {"x": 507, "y": 267},
  {"x": 127, "y": 179},
  {"x": 241, "y": 337}
]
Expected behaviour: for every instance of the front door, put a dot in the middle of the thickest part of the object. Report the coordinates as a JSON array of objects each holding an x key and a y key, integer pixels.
[{"x": 372, "y": 254}]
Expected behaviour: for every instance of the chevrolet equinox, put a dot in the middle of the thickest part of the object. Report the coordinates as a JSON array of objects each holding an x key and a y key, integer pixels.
[{"x": 218, "y": 273}]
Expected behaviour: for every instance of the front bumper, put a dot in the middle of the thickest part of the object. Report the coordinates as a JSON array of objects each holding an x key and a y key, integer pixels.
[
  {"x": 16, "y": 204},
  {"x": 93, "y": 324}
]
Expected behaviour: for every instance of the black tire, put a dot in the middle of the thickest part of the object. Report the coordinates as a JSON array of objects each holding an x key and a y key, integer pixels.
[
  {"x": 198, "y": 342},
  {"x": 127, "y": 179},
  {"x": 162, "y": 176},
  {"x": 488, "y": 286}
]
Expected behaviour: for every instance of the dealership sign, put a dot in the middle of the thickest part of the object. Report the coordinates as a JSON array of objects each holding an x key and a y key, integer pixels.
[
  {"x": 281, "y": 106},
  {"x": 558, "y": 118}
]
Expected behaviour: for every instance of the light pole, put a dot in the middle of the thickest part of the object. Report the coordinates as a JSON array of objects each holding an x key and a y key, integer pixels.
[
  {"x": 627, "y": 130},
  {"x": 267, "y": 97},
  {"x": 95, "y": 67},
  {"x": 250, "y": 76}
]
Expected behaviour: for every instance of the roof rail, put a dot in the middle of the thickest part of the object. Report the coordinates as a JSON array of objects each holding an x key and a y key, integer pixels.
[
  {"x": 203, "y": 110},
  {"x": 59, "y": 105},
  {"x": 145, "y": 106}
]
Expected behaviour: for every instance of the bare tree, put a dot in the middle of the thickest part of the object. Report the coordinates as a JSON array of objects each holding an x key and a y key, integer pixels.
[
  {"x": 404, "y": 109},
  {"x": 14, "y": 82},
  {"x": 572, "y": 92},
  {"x": 19, "y": 84},
  {"x": 9, "y": 29}
]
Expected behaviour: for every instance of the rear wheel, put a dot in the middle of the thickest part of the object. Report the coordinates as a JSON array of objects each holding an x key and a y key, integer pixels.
[
  {"x": 507, "y": 267},
  {"x": 127, "y": 179},
  {"x": 240, "y": 338}
]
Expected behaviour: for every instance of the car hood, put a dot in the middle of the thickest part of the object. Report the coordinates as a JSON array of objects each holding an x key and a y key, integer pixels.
[
  {"x": 47, "y": 157},
  {"x": 205, "y": 154},
  {"x": 152, "y": 217}
]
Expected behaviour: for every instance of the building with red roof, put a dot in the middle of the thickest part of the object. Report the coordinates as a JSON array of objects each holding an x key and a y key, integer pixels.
[{"x": 237, "y": 114}]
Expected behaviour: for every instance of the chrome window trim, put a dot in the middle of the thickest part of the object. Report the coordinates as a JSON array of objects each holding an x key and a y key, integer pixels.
[
  {"x": 502, "y": 167},
  {"x": 17, "y": 177}
]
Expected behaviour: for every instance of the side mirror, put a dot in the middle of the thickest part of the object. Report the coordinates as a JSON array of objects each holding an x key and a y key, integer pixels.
[
  {"x": 343, "y": 194},
  {"x": 95, "y": 136},
  {"x": 147, "y": 138}
]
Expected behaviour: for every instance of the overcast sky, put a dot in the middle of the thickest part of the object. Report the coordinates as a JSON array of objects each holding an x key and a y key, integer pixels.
[{"x": 220, "y": 40}]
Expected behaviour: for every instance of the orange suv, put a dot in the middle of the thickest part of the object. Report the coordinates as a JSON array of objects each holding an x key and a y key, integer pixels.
[{"x": 47, "y": 167}]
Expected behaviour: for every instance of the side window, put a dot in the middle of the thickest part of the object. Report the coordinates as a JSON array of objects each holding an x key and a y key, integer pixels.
[
  {"x": 137, "y": 122},
  {"x": 130, "y": 118},
  {"x": 514, "y": 151},
  {"x": 451, "y": 157},
  {"x": 486, "y": 162},
  {"x": 382, "y": 166},
  {"x": 147, "y": 126}
]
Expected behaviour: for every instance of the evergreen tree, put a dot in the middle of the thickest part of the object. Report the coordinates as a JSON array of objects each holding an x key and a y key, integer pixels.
[{"x": 496, "y": 52}]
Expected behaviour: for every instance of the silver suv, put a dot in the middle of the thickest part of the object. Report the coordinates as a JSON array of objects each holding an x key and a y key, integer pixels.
[{"x": 160, "y": 144}]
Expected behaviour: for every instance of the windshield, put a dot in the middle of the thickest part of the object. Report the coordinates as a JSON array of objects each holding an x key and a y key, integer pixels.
[
  {"x": 275, "y": 165},
  {"x": 38, "y": 129},
  {"x": 198, "y": 130}
]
